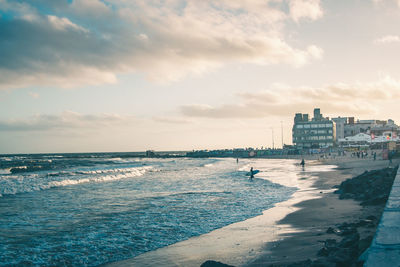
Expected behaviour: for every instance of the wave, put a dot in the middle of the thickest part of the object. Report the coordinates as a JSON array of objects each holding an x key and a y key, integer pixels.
[
  {"x": 25, "y": 184},
  {"x": 5, "y": 171},
  {"x": 102, "y": 171},
  {"x": 96, "y": 179},
  {"x": 245, "y": 168},
  {"x": 183, "y": 193}
]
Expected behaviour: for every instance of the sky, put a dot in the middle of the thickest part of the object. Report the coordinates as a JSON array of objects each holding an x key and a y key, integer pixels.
[{"x": 119, "y": 75}]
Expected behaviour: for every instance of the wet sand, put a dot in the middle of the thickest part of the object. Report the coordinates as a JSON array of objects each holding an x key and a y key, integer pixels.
[
  {"x": 292, "y": 231},
  {"x": 316, "y": 216}
]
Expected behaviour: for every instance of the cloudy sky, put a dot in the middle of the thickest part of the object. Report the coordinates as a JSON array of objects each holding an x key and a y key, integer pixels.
[{"x": 119, "y": 75}]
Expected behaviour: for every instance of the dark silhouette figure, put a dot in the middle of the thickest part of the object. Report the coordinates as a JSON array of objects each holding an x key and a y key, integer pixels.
[
  {"x": 251, "y": 173},
  {"x": 302, "y": 163}
]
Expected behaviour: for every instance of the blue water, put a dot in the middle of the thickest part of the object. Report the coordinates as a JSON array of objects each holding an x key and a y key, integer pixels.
[{"x": 90, "y": 209}]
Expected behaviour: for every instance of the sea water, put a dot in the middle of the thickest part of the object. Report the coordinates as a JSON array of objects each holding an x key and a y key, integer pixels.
[{"x": 90, "y": 209}]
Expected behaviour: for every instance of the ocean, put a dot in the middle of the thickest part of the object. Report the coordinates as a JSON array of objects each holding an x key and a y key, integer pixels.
[{"x": 94, "y": 208}]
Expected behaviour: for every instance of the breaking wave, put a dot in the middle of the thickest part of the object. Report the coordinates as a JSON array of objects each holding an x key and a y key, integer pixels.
[{"x": 14, "y": 184}]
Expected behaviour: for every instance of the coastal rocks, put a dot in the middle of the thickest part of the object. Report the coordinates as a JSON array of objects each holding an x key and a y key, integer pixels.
[
  {"x": 371, "y": 188},
  {"x": 211, "y": 263},
  {"x": 344, "y": 252},
  {"x": 351, "y": 246}
]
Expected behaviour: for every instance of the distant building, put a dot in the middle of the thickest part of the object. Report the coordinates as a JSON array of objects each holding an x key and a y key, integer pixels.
[
  {"x": 371, "y": 127},
  {"x": 352, "y": 128},
  {"x": 316, "y": 133},
  {"x": 340, "y": 123},
  {"x": 367, "y": 132},
  {"x": 388, "y": 129},
  {"x": 150, "y": 154},
  {"x": 365, "y": 140},
  {"x": 358, "y": 140}
]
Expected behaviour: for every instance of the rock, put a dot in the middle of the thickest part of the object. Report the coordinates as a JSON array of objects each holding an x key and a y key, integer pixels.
[
  {"x": 330, "y": 230},
  {"x": 305, "y": 263},
  {"x": 330, "y": 243},
  {"x": 372, "y": 188},
  {"x": 319, "y": 263},
  {"x": 342, "y": 257},
  {"x": 323, "y": 252},
  {"x": 346, "y": 251},
  {"x": 350, "y": 240},
  {"x": 364, "y": 243},
  {"x": 330, "y": 246},
  {"x": 211, "y": 263}
]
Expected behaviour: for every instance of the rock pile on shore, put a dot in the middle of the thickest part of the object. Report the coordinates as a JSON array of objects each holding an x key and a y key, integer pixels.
[
  {"x": 346, "y": 251},
  {"x": 371, "y": 188}
]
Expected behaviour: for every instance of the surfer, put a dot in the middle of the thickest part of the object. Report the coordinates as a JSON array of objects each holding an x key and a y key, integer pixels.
[
  {"x": 237, "y": 160},
  {"x": 251, "y": 173}
]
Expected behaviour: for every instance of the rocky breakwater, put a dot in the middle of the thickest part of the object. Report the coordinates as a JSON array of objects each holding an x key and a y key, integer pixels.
[{"x": 349, "y": 240}]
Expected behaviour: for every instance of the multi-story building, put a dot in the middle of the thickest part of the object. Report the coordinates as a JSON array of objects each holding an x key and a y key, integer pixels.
[
  {"x": 319, "y": 132},
  {"x": 352, "y": 128},
  {"x": 388, "y": 129},
  {"x": 346, "y": 127},
  {"x": 340, "y": 124}
]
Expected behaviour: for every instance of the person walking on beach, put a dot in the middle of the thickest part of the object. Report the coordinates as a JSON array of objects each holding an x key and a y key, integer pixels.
[{"x": 302, "y": 163}]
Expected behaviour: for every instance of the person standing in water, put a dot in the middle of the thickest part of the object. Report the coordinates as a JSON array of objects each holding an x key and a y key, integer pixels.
[
  {"x": 302, "y": 163},
  {"x": 251, "y": 173}
]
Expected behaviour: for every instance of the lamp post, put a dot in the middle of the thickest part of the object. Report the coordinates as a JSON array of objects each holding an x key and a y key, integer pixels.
[
  {"x": 282, "y": 133},
  {"x": 273, "y": 143}
]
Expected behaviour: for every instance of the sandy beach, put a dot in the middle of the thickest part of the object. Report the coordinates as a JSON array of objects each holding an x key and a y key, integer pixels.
[
  {"x": 315, "y": 216},
  {"x": 293, "y": 231}
]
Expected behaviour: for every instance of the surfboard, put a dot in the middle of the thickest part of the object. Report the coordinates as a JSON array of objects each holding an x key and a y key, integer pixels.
[{"x": 254, "y": 172}]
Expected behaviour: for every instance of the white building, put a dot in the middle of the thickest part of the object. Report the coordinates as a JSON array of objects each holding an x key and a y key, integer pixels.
[
  {"x": 340, "y": 123},
  {"x": 365, "y": 140},
  {"x": 357, "y": 140}
]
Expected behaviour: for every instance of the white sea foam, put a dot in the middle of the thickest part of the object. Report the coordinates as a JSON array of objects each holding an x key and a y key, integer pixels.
[
  {"x": 245, "y": 168},
  {"x": 5, "y": 171},
  {"x": 133, "y": 172},
  {"x": 116, "y": 170},
  {"x": 23, "y": 184}
]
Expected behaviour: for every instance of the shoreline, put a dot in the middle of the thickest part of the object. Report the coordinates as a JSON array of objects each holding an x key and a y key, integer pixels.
[
  {"x": 289, "y": 232},
  {"x": 238, "y": 243},
  {"x": 315, "y": 218}
]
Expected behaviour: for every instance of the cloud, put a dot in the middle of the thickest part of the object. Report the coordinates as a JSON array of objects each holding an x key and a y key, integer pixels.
[
  {"x": 280, "y": 100},
  {"x": 172, "y": 120},
  {"x": 34, "y": 95},
  {"x": 64, "y": 24},
  {"x": 387, "y": 39},
  {"x": 64, "y": 121},
  {"x": 89, "y": 42},
  {"x": 397, "y": 2},
  {"x": 305, "y": 9}
]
